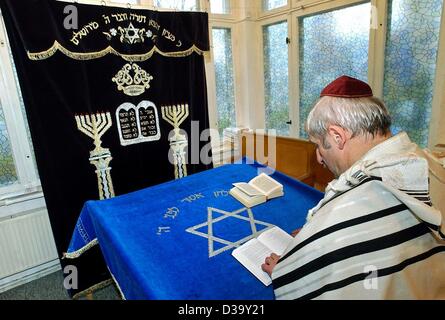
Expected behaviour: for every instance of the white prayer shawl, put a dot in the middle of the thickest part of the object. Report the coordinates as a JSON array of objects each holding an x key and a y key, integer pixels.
[{"x": 373, "y": 236}]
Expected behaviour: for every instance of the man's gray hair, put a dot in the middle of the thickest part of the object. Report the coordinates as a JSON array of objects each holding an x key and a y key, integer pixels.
[{"x": 360, "y": 116}]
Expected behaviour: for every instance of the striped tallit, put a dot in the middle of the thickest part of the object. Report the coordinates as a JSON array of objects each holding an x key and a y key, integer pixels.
[{"x": 375, "y": 235}]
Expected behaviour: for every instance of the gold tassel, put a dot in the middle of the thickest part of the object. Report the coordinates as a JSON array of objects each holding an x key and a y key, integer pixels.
[
  {"x": 90, "y": 290},
  {"x": 78, "y": 253}
]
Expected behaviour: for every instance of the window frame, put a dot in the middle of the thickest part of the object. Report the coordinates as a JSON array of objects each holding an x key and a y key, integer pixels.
[
  {"x": 211, "y": 75},
  {"x": 301, "y": 8},
  {"x": 198, "y": 3},
  {"x": 221, "y": 15},
  {"x": 28, "y": 181},
  {"x": 274, "y": 11},
  {"x": 264, "y": 23},
  {"x": 437, "y": 131}
]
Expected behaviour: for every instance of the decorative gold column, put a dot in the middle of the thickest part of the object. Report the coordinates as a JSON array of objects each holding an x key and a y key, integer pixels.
[
  {"x": 95, "y": 126},
  {"x": 176, "y": 115}
]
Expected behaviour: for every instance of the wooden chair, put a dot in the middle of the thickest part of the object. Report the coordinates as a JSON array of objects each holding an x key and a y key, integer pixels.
[
  {"x": 437, "y": 181},
  {"x": 294, "y": 157}
]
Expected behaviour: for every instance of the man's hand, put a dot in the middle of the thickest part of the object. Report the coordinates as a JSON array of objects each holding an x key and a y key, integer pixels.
[{"x": 270, "y": 263}]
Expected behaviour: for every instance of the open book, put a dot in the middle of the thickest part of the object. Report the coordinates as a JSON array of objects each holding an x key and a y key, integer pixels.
[
  {"x": 253, "y": 253},
  {"x": 258, "y": 190}
]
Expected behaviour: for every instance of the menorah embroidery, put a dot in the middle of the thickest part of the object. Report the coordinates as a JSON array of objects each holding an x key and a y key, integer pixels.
[
  {"x": 176, "y": 115},
  {"x": 95, "y": 126}
]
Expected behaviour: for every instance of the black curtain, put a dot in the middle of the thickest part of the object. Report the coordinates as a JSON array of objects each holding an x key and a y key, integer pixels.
[{"x": 64, "y": 73}]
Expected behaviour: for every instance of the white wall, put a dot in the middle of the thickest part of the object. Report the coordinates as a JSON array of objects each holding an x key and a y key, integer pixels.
[{"x": 248, "y": 76}]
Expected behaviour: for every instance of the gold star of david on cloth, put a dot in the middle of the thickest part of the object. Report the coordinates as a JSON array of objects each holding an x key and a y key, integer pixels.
[
  {"x": 131, "y": 29},
  {"x": 225, "y": 214}
]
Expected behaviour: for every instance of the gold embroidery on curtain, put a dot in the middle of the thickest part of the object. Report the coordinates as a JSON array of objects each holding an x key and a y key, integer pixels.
[{"x": 99, "y": 54}]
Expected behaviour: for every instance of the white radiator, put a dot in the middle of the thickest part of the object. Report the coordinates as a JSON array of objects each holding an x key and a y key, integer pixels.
[{"x": 26, "y": 244}]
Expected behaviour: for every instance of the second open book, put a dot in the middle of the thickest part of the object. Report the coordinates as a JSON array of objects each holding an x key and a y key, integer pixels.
[
  {"x": 258, "y": 190},
  {"x": 253, "y": 253}
]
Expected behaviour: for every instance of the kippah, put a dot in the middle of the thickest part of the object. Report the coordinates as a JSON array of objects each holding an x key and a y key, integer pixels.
[{"x": 347, "y": 87}]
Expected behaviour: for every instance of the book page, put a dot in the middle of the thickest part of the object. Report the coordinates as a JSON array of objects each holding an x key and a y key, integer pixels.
[
  {"x": 248, "y": 189},
  {"x": 276, "y": 239},
  {"x": 245, "y": 199},
  {"x": 252, "y": 255},
  {"x": 266, "y": 184}
]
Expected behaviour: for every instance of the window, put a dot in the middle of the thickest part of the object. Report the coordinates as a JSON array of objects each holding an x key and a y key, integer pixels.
[
  {"x": 18, "y": 173},
  {"x": 224, "y": 84},
  {"x": 276, "y": 77},
  {"x": 8, "y": 173},
  {"x": 220, "y": 6},
  {"x": 22, "y": 108},
  {"x": 126, "y": 1},
  {"x": 183, "y": 5},
  {"x": 410, "y": 65},
  {"x": 273, "y": 4},
  {"x": 331, "y": 44}
]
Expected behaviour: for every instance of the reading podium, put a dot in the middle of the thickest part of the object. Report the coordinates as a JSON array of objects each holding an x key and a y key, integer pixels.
[{"x": 174, "y": 240}]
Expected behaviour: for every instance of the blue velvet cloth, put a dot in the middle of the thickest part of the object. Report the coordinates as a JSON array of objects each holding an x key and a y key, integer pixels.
[{"x": 156, "y": 241}]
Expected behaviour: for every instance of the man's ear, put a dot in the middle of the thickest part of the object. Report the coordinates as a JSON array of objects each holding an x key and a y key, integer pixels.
[{"x": 338, "y": 135}]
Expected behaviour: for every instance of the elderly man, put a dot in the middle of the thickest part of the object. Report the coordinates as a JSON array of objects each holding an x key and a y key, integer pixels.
[{"x": 374, "y": 235}]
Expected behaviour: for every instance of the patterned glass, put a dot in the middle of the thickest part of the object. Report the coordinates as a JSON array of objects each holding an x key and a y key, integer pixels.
[
  {"x": 410, "y": 63},
  {"x": 183, "y": 5},
  {"x": 225, "y": 89},
  {"x": 332, "y": 44},
  {"x": 276, "y": 77},
  {"x": 22, "y": 107},
  {"x": 220, "y": 6},
  {"x": 272, "y": 4},
  {"x": 8, "y": 173}
]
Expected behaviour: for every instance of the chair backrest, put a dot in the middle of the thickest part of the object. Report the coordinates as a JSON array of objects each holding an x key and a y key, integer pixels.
[
  {"x": 437, "y": 181},
  {"x": 291, "y": 156}
]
